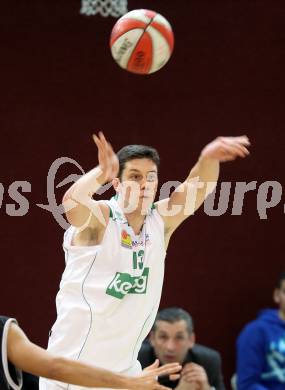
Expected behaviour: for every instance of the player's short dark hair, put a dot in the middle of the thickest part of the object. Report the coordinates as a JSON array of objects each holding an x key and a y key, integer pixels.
[
  {"x": 172, "y": 315},
  {"x": 130, "y": 152},
  {"x": 281, "y": 279}
]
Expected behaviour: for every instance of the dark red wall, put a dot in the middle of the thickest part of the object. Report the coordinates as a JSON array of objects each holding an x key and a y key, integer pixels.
[{"x": 226, "y": 77}]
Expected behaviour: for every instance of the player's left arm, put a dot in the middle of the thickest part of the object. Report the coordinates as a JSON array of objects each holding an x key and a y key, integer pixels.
[
  {"x": 29, "y": 357},
  {"x": 201, "y": 180}
]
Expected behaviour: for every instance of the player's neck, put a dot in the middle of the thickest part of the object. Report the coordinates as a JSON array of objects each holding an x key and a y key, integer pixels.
[{"x": 135, "y": 218}]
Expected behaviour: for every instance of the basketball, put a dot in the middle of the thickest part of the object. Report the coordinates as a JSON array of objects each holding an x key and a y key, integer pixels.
[{"x": 141, "y": 41}]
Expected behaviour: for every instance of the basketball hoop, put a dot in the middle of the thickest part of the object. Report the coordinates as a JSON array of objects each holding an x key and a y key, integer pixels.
[{"x": 105, "y": 8}]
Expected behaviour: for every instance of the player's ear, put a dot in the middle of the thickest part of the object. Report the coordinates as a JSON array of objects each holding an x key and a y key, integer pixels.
[
  {"x": 276, "y": 296},
  {"x": 116, "y": 184}
]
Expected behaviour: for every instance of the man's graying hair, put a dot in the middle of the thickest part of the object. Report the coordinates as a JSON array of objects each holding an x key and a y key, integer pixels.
[{"x": 172, "y": 315}]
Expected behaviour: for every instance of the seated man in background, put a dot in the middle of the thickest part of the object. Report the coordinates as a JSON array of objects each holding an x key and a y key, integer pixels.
[
  {"x": 172, "y": 339},
  {"x": 261, "y": 347},
  {"x": 18, "y": 353}
]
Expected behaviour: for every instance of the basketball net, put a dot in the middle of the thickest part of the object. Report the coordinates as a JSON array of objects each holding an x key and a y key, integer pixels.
[{"x": 106, "y": 8}]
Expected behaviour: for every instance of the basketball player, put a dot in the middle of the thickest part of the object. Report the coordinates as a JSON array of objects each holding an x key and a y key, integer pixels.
[
  {"x": 18, "y": 353},
  {"x": 115, "y": 250}
]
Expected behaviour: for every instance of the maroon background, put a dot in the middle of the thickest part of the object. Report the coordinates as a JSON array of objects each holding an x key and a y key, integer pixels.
[{"x": 226, "y": 77}]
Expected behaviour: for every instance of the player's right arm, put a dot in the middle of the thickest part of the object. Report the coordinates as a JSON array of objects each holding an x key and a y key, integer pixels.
[
  {"x": 26, "y": 356},
  {"x": 80, "y": 209}
]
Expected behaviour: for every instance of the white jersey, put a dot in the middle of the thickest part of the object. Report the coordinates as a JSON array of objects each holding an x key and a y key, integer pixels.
[{"x": 109, "y": 294}]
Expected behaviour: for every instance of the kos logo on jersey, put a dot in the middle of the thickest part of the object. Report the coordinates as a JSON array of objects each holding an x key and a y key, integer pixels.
[{"x": 124, "y": 284}]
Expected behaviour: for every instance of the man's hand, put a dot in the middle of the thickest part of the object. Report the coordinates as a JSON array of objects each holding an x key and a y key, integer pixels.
[
  {"x": 193, "y": 377},
  {"x": 108, "y": 160},
  {"x": 226, "y": 148}
]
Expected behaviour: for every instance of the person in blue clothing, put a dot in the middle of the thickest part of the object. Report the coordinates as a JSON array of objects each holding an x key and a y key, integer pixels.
[{"x": 261, "y": 348}]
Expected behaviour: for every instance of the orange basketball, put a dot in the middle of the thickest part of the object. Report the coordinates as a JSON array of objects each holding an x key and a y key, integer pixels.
[{"x": 142, "y": 41}]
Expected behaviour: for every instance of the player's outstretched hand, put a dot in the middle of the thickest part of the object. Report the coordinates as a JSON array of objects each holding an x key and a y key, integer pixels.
[
  {"x": 171, "y": 369},
  {"x": 148, "y": 379},
  {"x": 226, "y": 148},
  {"x": 108, "y": 160}
]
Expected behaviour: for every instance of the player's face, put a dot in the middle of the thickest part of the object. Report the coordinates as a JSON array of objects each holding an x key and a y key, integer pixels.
[
  {"x": 139, "y": 182},
  {"x": 171, "y": 342},
  {"x": 279, "y": 297}
]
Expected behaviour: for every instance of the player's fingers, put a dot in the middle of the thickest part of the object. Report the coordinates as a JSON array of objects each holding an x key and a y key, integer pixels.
[
  {"x": 239, "y": 143},
  {"x": 110, "y": 150},
  {"x": 236, "y": 149},
  {"x": 170, "y": 368},
  {"x": 155, "y": 364},
  {"x": 96, "y": 139},
  {"x": 103, "y": 150},
  {"x": 172, "y": 374},
  {"x": 153, "y": 367},
  {"x": 243, "y": 139},
  {"x": 242, "y": 148},
  {"x": 233, "y": 150},
  {"x": 98, "y": 143},
  {"x": 103, "y": 140},
  {"x": 101, "y": 135}
]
